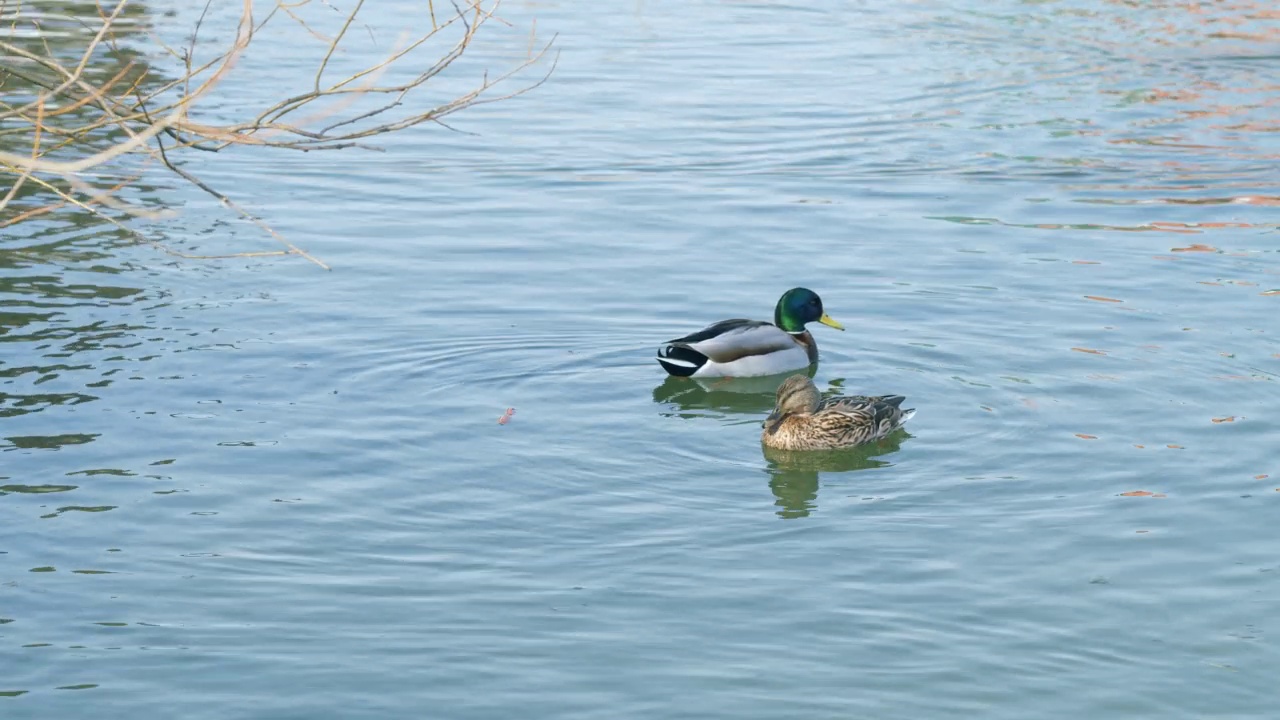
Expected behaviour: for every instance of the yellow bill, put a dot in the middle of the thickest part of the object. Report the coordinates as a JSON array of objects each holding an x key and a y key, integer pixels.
[{"x": 828, "y": 321}]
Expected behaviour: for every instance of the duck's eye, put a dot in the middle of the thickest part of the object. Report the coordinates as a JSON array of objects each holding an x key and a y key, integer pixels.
[{"x": 813, "y": 301}]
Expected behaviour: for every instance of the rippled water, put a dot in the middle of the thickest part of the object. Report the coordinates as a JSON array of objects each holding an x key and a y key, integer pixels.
[{"x": 251, "y": 488}]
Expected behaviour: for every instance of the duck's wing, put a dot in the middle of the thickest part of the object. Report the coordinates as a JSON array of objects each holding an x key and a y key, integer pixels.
[
  {"x": 723, "y": 343},
  {"x": 729, "y": 340},
  {"x": 854, "y": 402},
  {"x": 859, "y": 419}
]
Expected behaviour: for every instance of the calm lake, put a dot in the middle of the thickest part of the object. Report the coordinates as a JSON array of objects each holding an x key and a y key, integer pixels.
[{"x": 251, "y": 488}]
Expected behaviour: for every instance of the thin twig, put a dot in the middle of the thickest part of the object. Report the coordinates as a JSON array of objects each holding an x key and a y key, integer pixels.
[{"x": 228, "y": 202}]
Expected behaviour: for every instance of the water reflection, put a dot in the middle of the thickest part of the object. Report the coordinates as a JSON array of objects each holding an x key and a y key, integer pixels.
[
  {"x": 61, "y": 275},
  {"x": 793, "y": 475},
  {"x": 722, "y": 396},
  {"x": 46, "y": 442},
  {"x": 735, "y": 396},
  {"x": 41, "y": 34},
  {"x": 60, "y": 350}
]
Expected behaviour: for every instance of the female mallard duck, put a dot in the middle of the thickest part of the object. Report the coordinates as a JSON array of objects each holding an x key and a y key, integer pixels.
[
  {"x": 803, "y": 421},
  {"x": 745, "y": 348}
]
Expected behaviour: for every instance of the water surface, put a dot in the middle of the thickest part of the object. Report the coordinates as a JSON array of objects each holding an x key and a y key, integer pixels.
[{"x": 250, "y": 488}]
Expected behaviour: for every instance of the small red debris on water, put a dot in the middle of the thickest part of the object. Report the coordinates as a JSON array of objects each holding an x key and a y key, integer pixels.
[
  {"x": 1083, "y": 436},
  {"x": 1261, "y": 477},
  {"x": 506, "y": 416},
  {"x": 1175, "y": 447},
  {"x": 1229, "y": 418},
  {"x": 1137, "y": 493}
]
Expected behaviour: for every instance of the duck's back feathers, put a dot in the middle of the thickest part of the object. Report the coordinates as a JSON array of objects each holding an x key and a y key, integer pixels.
[
  {"x": 854, "y": 425},
  {"x": 718, "y": 329},
  {"x": 730, "y": 340},
  {"x": 858, "y": 401}
]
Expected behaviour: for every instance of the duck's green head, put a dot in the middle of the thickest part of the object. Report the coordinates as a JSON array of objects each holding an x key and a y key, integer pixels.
[{"x": 798, "y": 306}]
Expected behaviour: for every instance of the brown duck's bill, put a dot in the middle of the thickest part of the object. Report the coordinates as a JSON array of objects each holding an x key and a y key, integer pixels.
[
  {"x": 772, "y": 422},
  {"x": 830, "y": 322}
]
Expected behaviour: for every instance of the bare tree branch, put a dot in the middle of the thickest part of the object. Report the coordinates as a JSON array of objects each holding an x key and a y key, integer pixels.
[{"x": 77, "y": 120}]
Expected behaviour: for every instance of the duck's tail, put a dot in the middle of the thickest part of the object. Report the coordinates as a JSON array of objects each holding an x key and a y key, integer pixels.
[{"x": 680, "y": 360}]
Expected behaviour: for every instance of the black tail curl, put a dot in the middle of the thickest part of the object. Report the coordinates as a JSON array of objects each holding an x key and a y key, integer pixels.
[{"x": 681, "y": 361}]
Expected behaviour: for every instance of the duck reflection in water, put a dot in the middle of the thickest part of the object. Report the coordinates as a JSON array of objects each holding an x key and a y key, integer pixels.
[
  {"x": 793, "y": 474},
  {"x": 751, "y": 396}
]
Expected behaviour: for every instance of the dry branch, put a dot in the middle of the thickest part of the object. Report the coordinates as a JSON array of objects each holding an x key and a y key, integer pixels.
[{"x": 78, "y": 121}]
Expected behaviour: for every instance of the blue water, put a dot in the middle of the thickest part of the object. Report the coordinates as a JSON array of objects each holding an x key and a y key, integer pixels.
[{"x": 250, "y": 488}]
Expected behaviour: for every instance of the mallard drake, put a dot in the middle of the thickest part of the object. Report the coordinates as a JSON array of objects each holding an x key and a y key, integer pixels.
[
  {"x": 746, "y": 348},
  {"x": 801, "y": 420}
]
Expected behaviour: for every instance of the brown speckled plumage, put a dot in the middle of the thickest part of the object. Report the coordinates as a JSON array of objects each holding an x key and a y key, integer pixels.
[{"x": 801, "y": 420}]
